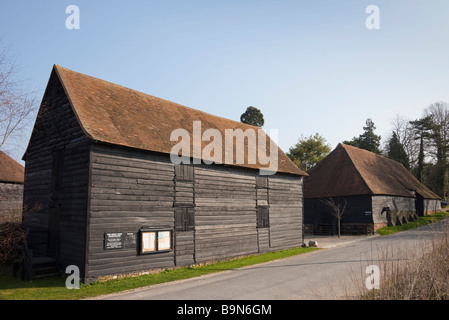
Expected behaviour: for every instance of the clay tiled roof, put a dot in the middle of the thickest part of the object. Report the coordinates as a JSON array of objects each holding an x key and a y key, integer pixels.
[
  {"x": 117, "y": 115},
  {"x": 10, "y": 170},
  {"x": 348, "y": 171}
]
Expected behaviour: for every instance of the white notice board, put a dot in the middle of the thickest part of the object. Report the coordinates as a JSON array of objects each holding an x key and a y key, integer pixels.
[
  {"x": 164, "y": 240},
  {"x": 148, "y": 241}
]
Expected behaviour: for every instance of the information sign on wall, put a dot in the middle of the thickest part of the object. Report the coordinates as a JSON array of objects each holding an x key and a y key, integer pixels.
[{"x": 113, "y": 240}]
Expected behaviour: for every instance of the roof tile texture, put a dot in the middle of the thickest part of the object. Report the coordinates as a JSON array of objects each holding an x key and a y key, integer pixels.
[
  {"x": 10, "y": 170},
  {"x": 117, "y": 115}
]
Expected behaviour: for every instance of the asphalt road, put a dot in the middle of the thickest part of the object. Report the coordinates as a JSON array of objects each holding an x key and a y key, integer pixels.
[{"x": 332, "y": 273}]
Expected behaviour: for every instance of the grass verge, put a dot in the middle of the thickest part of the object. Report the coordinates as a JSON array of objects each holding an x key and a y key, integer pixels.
[
  {"x": 414, "y": 224},
  {"x": 54, "y": 288}
]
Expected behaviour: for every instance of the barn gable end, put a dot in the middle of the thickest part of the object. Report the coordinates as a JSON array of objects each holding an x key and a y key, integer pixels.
[{"x": 56, "y": 180}]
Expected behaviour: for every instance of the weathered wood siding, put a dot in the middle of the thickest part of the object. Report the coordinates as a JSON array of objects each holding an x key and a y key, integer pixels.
[
  {"x": 285, "y": 199},
  {"x": 57, "y": 128},
  {"x": 225, "y": 212},
  {"x": 128, "y": 190},
  {"x": 131, "y": 189},
  {"x": 263, "y": 239},
  {"x": 73, "y": 204},
  {"x": 184, "y": 247}
]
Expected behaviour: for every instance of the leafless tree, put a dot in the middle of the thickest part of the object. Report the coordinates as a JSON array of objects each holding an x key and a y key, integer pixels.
[
  {"x": 338, "y": 211},
  {"x": 405, "y": 133},
  {"x": 439, "y": 113},
  {"x": 16, "y": 103}
]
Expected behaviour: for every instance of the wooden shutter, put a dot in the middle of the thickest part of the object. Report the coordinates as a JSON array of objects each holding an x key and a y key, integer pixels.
[
  {"x": 179, "y": 219},
  {"x": 265, "y": 217},
  {"x": 259, "y": 218},
  {"x": 263, "y": 220},
  {"x": 184, "y": 218},
  {"x": 190, "y": 220},
  {"x": 188, "y": 173},
  {"x": 261, "y": 182},
  {"x": 183, "y": 172}
]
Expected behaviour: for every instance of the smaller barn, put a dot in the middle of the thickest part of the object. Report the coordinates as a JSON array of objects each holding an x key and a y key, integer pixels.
[
  {"x": 373, "y": 190},
  {"x": 11, "y": 188}
]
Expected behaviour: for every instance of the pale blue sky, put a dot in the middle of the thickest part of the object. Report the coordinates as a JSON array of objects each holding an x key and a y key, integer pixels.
[{"x": 310, "y": 66}]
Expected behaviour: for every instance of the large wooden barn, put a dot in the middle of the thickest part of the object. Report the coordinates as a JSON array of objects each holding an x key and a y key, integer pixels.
[
  {"x": 11, "y": 188},
  {"x": 374, "y": 190},
  {"x": 112, "y": 201}
]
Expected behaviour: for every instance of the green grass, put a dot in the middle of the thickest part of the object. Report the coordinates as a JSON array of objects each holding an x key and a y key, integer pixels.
[
  {"x": 413, "y": 224},
  {"x": 54, "y": 288}
]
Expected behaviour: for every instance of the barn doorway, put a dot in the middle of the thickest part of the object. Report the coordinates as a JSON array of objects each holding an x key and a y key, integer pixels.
[
  {"x": 54, "y": 218},
  {"x": 419, "y": 205}
]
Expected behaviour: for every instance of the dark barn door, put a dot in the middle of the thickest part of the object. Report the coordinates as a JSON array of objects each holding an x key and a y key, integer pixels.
[
  {"x": 54, "y": 206},
  {"x": 419, "y": 205},
  {"x": 184, "y": 235}
]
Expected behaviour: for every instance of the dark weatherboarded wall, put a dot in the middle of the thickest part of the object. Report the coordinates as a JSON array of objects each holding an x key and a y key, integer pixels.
[
  {"x": 130, "y": 189},
  {"x": 225, "y": 212},
  {"x": 56, "y": 179},
  {"x": 358, "y": 210}
]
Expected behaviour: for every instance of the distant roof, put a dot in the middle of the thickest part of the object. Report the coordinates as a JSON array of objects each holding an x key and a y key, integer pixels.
[
  {"x": 10, "y": 170},
  {"x": 117, "y": 115},
  {"x": 348, "y": 171}
]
